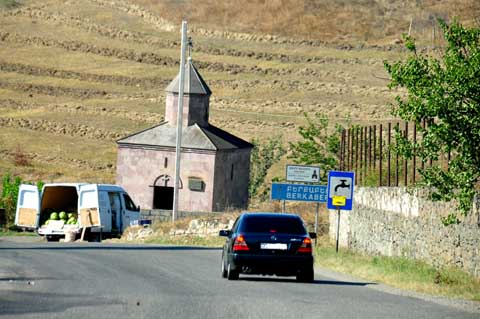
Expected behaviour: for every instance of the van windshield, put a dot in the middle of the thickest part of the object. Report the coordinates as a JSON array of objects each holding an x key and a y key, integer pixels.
[{"x": 129, "y": 204}]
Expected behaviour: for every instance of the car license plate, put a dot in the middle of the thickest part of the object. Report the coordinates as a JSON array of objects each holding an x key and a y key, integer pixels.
[{"x": 277, "y": 246}]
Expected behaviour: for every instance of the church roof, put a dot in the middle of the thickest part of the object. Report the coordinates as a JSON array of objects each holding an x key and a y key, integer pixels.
[
  {"x": 193, "y": 82},
  {"x": 193, "y": 137}
]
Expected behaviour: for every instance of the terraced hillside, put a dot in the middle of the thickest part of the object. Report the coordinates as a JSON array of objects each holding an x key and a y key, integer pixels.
[{"x": 77, "y": 75}]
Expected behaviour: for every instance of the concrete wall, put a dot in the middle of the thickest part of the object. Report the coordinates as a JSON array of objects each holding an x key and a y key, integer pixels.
[{"x": 392, "y": 222}]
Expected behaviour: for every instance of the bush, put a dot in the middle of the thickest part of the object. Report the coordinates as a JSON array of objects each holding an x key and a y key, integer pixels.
[
  {"x": 9, "y": 4},
  {"x": 8, "y": 200}
]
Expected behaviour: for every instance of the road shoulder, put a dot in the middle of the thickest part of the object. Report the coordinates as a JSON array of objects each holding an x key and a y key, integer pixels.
[{"x": 464, "y": 305}]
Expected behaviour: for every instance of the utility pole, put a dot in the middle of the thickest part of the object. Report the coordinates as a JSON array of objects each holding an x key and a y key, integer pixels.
[{"x": 179, "y": 120}]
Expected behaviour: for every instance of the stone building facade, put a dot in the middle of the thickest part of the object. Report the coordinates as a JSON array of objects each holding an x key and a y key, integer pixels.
[{"x": 215, "y": 165}]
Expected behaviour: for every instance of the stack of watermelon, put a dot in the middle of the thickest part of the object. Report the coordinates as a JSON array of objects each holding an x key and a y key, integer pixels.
[{"x": 68, "y": 218}]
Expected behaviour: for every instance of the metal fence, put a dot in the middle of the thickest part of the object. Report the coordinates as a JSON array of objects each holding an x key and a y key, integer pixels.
[{"x": 369, "y": 151}]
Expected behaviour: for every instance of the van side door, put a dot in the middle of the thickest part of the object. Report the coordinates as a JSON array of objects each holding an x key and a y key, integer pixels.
[
  {"x": 105, "y": 211},
  {"x": 116, "y": 211},
  {"x": 28, "y": 206}
]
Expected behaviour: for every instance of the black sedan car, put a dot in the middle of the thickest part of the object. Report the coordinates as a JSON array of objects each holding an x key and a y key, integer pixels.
[{"x": 268, "y": 244}]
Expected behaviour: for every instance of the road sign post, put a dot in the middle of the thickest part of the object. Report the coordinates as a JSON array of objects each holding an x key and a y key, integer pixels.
[
  {"x": 338, "y": 229},
  {"x": 338, "y": 201},
  {"x": 316, "y": 222},
  {"x": 340, "y": 195}
]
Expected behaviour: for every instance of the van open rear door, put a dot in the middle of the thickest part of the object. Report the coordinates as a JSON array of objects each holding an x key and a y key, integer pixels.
[
  {"x": 88, "y": 208},
  {"x": 28, "y": 206}
]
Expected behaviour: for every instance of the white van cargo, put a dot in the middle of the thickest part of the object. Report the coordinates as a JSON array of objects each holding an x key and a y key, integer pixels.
[{"x": 103, "y": 210}]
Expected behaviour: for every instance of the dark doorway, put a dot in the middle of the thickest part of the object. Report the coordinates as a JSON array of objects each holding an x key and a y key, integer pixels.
[{"x": 162, "y": 197}]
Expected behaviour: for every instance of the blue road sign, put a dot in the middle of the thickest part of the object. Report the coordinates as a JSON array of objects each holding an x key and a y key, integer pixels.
[
  {"x": 340, "y": 184},
  {"x": 299, "y": 192}
]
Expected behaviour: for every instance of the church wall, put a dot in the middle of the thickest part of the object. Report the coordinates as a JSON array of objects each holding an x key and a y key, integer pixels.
[
  {"x": 138, "y": 168},
  {"x": 231, "y": 189}
]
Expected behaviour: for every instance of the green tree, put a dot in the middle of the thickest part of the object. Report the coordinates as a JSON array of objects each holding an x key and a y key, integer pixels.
[
  {"x": 318, "y": 146},
  {"x": 445, "y": 92},
  {"x": 9, "y": 195},
  {"x": 8, "y": 200},
  {"x": 264, "y": 156}
]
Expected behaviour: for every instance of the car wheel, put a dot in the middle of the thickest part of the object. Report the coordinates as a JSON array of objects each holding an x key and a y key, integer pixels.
[
  {"x": 231, "y": 273},
  {"x": 305, "y": 275},
  {"x": 224, "y": 269}
]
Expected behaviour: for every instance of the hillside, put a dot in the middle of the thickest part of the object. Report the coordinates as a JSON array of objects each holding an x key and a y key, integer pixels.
[{"x": 77, "y": 75}]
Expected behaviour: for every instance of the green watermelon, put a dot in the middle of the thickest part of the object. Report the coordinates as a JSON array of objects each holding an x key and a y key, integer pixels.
[{"x": 63, "y": 215}]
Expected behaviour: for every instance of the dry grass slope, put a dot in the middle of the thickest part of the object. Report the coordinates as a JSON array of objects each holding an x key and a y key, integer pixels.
[{"x": 77, "y": 75}]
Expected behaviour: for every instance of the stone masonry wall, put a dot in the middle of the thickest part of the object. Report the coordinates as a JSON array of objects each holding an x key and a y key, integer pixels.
[{"x": 392, "y": 222}]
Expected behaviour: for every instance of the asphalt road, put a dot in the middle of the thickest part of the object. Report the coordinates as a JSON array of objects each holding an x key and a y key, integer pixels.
[{"x": 98, "y": 280}]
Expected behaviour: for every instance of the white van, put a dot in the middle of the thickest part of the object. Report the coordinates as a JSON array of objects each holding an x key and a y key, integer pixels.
[{"x": 103, "y": 210}]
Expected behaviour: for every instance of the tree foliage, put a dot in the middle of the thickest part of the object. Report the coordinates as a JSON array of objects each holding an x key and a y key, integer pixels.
[
  {"x": 263, "y": 157},
  {"x": 318, "y": 146},
  {"x": 9, "y": 196},
  {"x": 445, "y": 92},
  {"x": 8, "y": 201}
]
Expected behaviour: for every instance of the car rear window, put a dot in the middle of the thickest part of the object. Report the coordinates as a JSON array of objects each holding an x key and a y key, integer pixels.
[{"x": 267, "y": 224}]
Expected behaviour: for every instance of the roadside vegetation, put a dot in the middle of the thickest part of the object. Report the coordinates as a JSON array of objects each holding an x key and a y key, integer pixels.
[
  {"x": 444, "y": 93},
  {"x": 7, "y": 232},
  {"x": 401, "y": 273},
  {"x": 8, "y": 201},
  {"x": 9, "y": 4},
  {"x": 211, "y": 241}
]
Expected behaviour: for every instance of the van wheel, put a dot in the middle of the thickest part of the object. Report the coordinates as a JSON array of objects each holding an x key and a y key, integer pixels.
[
  {"x": 95, "y": 237},
  {"x": 52, "y": 238}
]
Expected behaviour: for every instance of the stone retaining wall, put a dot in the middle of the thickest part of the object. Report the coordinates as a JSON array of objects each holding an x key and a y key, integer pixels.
[
  {"x": 159, "y": 215},
  {"x": 392, "y": 222}
]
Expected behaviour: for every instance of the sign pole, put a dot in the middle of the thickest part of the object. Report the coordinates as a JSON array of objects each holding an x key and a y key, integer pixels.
[
  {"x": 338, "y": 228},
  {"x": 178, "y": 144},
  {"x": 316, "y": 222},
  {"x": 283, "y": 206}
]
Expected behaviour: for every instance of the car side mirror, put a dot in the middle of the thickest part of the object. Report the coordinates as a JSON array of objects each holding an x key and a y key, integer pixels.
[
  {"x": 224, "y": 233},
  {"x": 312, "y": 235}
]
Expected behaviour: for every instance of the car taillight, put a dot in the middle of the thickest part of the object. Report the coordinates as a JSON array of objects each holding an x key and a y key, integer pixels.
[
  {"x": 306, "y": 246},
  {"x": 240, "y": 244}
]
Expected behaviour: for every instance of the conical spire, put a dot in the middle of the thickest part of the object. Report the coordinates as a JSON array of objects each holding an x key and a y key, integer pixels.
[{"x": 193, "y": 81}]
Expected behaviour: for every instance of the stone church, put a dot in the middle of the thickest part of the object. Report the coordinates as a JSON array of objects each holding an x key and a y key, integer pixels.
[{"x": 215, "y": 165}]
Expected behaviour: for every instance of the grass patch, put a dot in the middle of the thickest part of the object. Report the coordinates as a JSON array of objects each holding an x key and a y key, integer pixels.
[
  {"x": 9, "y": 4},
  {"x": 210, "y": 241},
  {"x": 9, "y": 232},
  {"x": 401, "y": 273}
]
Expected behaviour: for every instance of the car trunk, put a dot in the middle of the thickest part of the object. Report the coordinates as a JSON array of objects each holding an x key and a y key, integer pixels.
[{"x": 273, "y": 243}]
